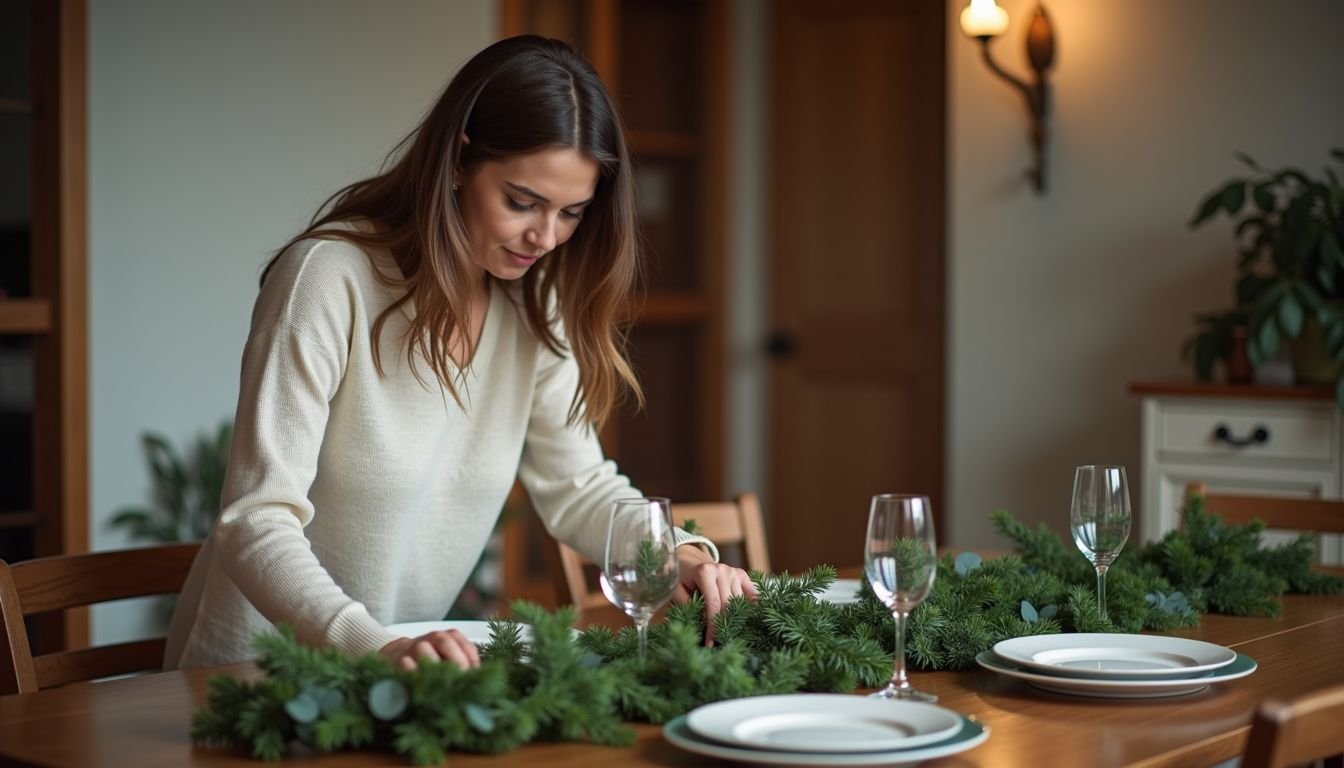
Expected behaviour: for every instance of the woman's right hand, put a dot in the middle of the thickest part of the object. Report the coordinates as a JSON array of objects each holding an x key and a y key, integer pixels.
[{"x": 440, "y": 645}]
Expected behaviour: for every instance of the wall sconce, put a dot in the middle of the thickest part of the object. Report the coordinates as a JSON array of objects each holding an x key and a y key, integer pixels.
[{"x": 984, "y": 20}]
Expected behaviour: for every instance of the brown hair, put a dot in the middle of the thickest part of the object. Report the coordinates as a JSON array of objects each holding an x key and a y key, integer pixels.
[{"x": 520, "y": 95}]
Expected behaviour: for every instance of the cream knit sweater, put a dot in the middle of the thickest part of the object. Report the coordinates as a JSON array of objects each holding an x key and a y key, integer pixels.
[{"x": 355, "y": 500}]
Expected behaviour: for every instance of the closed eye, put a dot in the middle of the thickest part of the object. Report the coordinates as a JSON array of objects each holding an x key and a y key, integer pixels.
[{"x": 519, "y": 206}]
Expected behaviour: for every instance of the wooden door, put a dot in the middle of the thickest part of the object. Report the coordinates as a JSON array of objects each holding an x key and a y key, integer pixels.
[
  {"x": 856, "y": 265},
  {"x": 665, "y": 64}
]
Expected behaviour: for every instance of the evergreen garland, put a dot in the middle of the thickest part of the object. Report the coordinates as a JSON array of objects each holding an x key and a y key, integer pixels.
[{"x": 563, "y": 686}]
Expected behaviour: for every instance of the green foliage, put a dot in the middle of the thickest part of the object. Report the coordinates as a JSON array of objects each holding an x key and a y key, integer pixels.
[
  {"x": 1290, "y": 233},
  {"x": 186, "y": 489},
  {"x": 569, "y": 687}
]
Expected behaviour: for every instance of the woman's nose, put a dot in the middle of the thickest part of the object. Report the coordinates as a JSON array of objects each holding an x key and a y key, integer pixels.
[{"x": 543, "y": 235}]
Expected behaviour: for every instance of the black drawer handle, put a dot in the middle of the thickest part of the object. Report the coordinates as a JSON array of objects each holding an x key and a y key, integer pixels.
[{"x": 1259, "y": 436}]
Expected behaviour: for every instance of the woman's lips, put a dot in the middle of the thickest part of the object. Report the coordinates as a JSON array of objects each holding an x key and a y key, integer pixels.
[{"x": 522, "y": 260}]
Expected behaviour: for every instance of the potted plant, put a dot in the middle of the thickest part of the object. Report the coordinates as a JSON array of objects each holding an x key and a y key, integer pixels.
[{"x": 1290, "y": 273}]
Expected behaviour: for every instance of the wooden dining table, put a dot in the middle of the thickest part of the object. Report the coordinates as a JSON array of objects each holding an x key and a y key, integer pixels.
[{"x": 145, "y": 720}]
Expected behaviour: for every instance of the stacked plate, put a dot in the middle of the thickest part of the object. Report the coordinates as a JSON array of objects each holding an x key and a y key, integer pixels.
[
  {"x": 824, "y": 729},
  {"x": 840, "y": 592},
  {"x": 1116, "y": 666}
]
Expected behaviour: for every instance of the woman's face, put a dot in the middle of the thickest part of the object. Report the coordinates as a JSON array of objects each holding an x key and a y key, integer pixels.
[{"x": 520, "y": 209}]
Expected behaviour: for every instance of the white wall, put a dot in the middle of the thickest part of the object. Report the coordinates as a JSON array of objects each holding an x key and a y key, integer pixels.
[
  {"x": 1056, "y": 302},
  {"x": 215, "y": 130}
]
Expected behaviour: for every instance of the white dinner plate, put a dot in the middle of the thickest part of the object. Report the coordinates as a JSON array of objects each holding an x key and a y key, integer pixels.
[
  {"x": 823, "y": 722},
  {"x": 1101, "y": 655},
  {"x": 477, "y": 632},
  {"x": 840, "y": 592},
  {"x": 970, "y": 734},
  {"x": 1120, "y": 689}
]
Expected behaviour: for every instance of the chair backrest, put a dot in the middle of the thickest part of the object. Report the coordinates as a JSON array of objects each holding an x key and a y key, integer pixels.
[
  {"x": 72, "y": 581},
  {"x": 726, "y": 523},
  {"x": 1296, "y": 732},
  {"x": 1284, "y": 513}
]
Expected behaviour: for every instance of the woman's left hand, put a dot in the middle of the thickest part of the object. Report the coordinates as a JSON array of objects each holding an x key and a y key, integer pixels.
[{"x": 715, "y": 581}]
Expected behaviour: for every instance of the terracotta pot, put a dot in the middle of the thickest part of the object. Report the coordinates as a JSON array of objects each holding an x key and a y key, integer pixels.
[{"x": 1239, "y": 368}]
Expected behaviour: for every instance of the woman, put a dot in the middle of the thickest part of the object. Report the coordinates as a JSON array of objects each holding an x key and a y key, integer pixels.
[{"x": 444, "y": 327}]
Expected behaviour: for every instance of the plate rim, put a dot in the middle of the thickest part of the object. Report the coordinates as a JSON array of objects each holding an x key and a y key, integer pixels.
[
  {"x": 1016, "y": 656},
  {"x": 973, "y": 733},
  {"x": 1104, "y": 687},
  {"x": 845, "y": 600},
  {"x": 458, "y": 624},
  {"x": 717, "y": 720}
]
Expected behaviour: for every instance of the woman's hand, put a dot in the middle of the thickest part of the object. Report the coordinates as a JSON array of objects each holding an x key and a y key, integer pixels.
[
  {"x": 715, "y": 581},
  {"x": 440, "y": 645}
]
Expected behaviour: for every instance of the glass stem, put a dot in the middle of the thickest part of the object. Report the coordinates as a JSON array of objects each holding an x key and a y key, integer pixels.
[
  {"x": 642, "y": 629},
  {"x": 898, "y": 678},
  {"x": 1101, "y": 589}
]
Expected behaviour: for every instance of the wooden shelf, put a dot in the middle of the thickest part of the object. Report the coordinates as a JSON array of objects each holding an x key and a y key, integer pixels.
[
  {"x": 16, "y": 107},
  {"x": 1216, "y": 389},
  {"x": 673, "y": 309},
  {"x": 24, "y": 316},
  {"x": 663, "y": 144},
  {"x": 18, "y": 519}
]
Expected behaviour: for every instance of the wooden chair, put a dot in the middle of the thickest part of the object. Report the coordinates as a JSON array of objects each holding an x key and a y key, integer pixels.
[
  {"x": 1297, "y": 732},
  {"x": 726, "y": 523},
  {"x": 1318, "y": 515},
  {"x": 73, "y": 581}
]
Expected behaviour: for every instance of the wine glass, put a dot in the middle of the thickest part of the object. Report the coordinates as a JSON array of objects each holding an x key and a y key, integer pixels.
[
  {"x": 900, "y": 561},
  {"x": 639, "y": 571},
  {"x": 1100, "y": 518}
]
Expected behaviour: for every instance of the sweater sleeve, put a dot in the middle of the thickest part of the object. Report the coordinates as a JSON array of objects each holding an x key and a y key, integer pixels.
[
  {"x": 291, "y": 369},
  {"x": 570, "y": 482}
]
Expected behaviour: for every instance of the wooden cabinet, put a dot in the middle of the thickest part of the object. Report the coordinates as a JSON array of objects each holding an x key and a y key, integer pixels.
[
  {"x": 43, "y": 301},
  {"x": 665, "y": 63},
  {"x": 1271, "y": 441}
]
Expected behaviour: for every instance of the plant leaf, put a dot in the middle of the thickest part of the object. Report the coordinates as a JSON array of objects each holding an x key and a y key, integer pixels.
[
  {"x": 1268, "y": 340},
  {"x": 1290, "y": 315},
  {"x": 1207, "y": 209},
  {"x": 1233, "y": 196},
  {"x": 1264, "y": 196}
]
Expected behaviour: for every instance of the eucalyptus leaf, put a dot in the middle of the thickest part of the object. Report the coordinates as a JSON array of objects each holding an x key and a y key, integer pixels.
[
  {"x": 1029, "y": 613},
  {"x": 303, "y": 708},
  {"x": 1049, "y": 611},
  {"x": 479, "y": 718},
  {"x": 967, "y": 562},
  {"x": 590, "y": 660},
  {"x": 330, "y": 700},
  {"x": 388, "y": 699}
]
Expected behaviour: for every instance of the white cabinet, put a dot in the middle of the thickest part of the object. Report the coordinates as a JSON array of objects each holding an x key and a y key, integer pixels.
[{"x": 1277, "y": 442}]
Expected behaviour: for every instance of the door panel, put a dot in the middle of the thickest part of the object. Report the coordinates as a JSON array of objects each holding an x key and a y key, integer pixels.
[{"x": 857, "y": 271}]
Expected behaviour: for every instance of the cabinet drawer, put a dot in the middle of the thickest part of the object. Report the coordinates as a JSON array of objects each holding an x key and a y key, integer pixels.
[{"x": 1302, "y": 432}]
